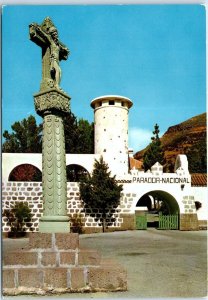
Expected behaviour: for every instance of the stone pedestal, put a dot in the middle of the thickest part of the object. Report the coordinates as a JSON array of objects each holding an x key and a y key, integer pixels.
[{"x": 54, "y": 263}]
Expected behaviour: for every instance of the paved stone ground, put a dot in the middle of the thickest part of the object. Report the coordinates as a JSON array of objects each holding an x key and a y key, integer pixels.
[{"x": 160, "y": 263}]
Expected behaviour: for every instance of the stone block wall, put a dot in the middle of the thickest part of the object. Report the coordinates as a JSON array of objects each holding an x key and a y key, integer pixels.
[
  {"x": 189, "y": 204},
  {"x": 121, "y": 218},
  {"x": 31, "y": 192},
  {"x": 189, "y": 222},
  {"x": 54, "y": 263}
]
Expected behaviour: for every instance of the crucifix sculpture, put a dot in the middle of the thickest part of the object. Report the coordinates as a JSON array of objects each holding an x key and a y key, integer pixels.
[
  {"x": 53, "y": 51},
  {"x": 52, "y": 103}
]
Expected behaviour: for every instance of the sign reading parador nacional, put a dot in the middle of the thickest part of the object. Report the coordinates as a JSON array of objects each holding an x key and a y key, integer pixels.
[{"x": 138, "y": 179}]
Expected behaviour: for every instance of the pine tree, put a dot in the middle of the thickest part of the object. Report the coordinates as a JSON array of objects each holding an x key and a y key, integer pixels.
[
  {"x": 85, "y": 137},
  {"x": 154, "y": 152},
  {"x": 25, "y": 138},
  {"x": 100, "y": 191}
]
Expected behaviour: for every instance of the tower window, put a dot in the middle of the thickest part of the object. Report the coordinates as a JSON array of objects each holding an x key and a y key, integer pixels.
[
  {"x": 100, "y": 103},
  {"x": 111, "y": 102},
  {"x": 122, "y": 103}
]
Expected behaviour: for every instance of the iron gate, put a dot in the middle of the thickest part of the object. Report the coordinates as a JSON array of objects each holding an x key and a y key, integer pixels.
[
  {"x": 168, "y": 222},
  {"x": 141, "y": 222}
]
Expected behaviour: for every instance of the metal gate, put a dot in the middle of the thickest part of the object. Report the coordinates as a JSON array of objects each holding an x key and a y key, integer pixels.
[
  {"x": 141, "y": 222},
  {"x": 168, "y": 222}
]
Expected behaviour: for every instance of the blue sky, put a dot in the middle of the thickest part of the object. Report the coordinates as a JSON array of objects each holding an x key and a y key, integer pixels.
[{"x": 152, "y": 54}]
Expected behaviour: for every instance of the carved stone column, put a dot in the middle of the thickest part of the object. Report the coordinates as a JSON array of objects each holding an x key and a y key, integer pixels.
[{"x": 51, "y": 105}]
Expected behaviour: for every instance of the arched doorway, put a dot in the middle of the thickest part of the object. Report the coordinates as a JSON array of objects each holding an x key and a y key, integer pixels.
[
  {"x": 75, "y": 172},
  {"x": 155, "y": 206},
  {"x": 25, "y": 172}
]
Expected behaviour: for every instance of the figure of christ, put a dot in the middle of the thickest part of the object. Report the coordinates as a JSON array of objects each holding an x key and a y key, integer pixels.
[{"x": 53, "y": 51}]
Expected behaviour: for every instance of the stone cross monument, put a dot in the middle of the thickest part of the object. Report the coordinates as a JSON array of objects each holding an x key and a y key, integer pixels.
[{"x": 51, "y": 103}]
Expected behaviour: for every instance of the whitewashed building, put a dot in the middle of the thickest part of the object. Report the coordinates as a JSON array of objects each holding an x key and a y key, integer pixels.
[{"x": 144, "y": 193}]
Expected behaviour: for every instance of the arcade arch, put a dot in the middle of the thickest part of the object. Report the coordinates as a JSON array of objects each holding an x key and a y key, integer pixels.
[
  {"x": 75, "y": 172},
  {"x": 157, "y": 200},
  {"x": 25, "y": 172},
  {"x": 154, "y": 202}
]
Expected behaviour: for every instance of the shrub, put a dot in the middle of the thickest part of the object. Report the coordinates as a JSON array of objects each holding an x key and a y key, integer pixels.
[
  {"x": 76, "y": 223},
  {"x": 17, "y": 218}
]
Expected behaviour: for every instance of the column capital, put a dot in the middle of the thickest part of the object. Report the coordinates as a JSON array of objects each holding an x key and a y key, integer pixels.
[{"x": 51, "y": 101}]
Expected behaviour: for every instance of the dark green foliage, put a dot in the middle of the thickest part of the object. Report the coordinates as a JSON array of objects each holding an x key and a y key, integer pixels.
[
  {"x": 79, "y": 135},
  {"x": 76, "y": 224},
  {"x": 85, "y": 137},
  {"x": 71, "y": 132},
  {"x": 25, "y": 138},
  {"x": 18, "y": 218},
  {"x": 197, "y": 157},
  {"x": 154, "y": 152},
  {"x": 100, "y": 191}
]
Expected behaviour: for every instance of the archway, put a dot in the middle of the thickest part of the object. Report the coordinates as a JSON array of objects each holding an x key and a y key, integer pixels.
[
  {"x": 75, "y": 172},
  {"x": 25, "y": 172},
  {"x": 153, "y": 203}
]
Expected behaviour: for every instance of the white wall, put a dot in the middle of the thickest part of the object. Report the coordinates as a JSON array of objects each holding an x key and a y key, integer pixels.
[
  {"x": 201, "y": 195},
  {"x": 12, "y": 160}
]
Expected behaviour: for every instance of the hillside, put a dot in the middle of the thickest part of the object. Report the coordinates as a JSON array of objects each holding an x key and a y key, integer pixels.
[{"x": 188, "y": 137}]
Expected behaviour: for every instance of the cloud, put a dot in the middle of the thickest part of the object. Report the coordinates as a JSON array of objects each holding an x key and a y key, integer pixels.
[{"x": 139, "y": 138}]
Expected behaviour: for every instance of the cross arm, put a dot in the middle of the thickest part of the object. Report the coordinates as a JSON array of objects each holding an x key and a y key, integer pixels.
[{"x": 38, "y": 36}]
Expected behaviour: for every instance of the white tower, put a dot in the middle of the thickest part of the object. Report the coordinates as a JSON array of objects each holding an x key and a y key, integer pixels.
[{"x": 111, "y": 131}]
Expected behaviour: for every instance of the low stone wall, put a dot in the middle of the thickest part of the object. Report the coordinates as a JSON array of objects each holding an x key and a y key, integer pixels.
[
  {"x": 202, "y": 224},
  {"x": 189, "y": 222},
  {"x": 31, "y": 193},
  {"x": 121, "y": 218}
]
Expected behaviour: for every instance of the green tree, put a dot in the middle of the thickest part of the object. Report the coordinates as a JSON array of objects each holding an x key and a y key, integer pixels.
[
  {"x": 79, "y": 135},
  {"x": 86, "y": 137},
  {"x": 154, "y": 152},
  {"x": 100, "y": 191},
  {"x": 71, "y": 132},
  {"x": 25, "y": 138}
]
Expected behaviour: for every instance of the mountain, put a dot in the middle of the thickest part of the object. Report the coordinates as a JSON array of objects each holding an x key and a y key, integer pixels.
[{"x": 188, "y": 137}]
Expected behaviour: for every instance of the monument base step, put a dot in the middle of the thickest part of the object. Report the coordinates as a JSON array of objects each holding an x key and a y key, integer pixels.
[
  {"x": 54, "y": 263},
  {"x": 52, "y": 226}
]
